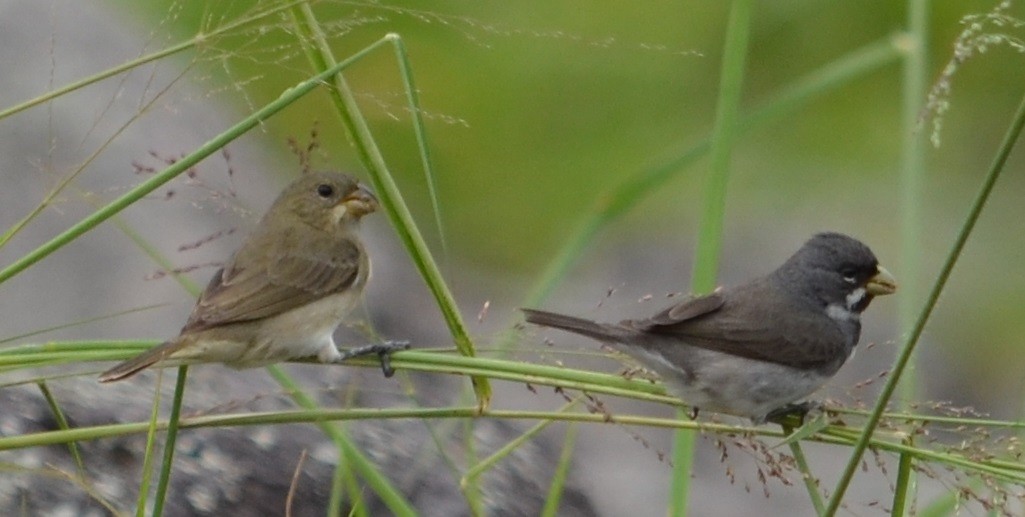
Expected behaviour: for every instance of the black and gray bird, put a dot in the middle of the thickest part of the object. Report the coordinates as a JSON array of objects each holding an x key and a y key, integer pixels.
[{"x": 754, "y": 349}]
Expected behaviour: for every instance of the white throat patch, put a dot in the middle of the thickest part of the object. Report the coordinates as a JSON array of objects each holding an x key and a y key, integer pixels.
[
  {"x": 840, "y": 313},
  {"x": 855, "y": 298},
  {"x": 339, "y": 211},
  {"x": 846, "y": 311}
]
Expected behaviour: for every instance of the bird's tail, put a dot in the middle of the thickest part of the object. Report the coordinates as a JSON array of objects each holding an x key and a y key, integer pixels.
[
  {"x": 591, "y": 329},
  {"x": 142, "y": 361}
]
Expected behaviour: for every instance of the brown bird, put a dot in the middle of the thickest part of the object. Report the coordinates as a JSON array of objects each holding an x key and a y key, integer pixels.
[
  {"x": 287, "y": 288},
  {"x": 753, "y": 349}
]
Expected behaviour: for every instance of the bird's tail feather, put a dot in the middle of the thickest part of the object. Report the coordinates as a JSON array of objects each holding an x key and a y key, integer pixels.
[
  {"x": 141, "y": 362},
  {"x": 591, "y": 329}
]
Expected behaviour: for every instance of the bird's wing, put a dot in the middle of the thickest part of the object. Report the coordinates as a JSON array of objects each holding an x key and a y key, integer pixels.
[
  {"x": 688, "y": 309},
  {"x": 757, "y": 331},
  {"x": 289, "y": 278}
]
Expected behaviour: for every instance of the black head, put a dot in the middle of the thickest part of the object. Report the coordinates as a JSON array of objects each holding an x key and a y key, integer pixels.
[{"x": 837, "y": 272}]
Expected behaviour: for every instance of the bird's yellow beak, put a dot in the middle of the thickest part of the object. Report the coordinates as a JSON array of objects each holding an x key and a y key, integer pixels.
[
  {"x": 358, "y": 203},
  {"x": 882, "y": 283}
]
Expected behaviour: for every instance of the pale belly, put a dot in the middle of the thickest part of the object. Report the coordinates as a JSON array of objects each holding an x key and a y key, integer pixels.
[
  {"x": 735, "y": 385},
  {"x": 303, "y": 332}
]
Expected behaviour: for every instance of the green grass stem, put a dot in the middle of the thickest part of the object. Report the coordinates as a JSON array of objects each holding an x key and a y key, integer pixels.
[
  {"x": 709, "y": 245},
  {"x": 322, "y": 58},
  {"x": 1004, "y": 150}
]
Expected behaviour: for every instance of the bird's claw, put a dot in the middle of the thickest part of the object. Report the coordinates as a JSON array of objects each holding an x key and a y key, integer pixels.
[
  {"x": 381, "y": 350},
  {"x": 780, "y": 415}
]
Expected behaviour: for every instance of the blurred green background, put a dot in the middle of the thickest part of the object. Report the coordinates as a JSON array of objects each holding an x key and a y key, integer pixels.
[
  {"x": 536, "y": 109},
  {"x": 547, "y": 105},
  {"x": 536, "y": 112}
]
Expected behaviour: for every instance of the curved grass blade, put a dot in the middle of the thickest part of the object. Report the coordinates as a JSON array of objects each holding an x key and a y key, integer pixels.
[
  {"x": 88, "y": 223},
  {"x": 1012, "y": 135},
  {"x": 319, "y": 53}
]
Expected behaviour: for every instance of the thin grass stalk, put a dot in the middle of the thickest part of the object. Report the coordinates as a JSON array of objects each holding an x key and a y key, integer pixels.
[
  {"x": 626, "y": 195},
  {"x": 514, "y": 371},
  {"x": 901, "y": 500},
  {"x": 724, "y": 136},
  {"x": 709, "y": 245},
  {"x": 199, "y": 39},
  {"x": 156, "y": 256},
  {"x": 912, "y": 181},
  {"x": 1001, "y": 470},
  {"x": 835, "y": 436},
  {"x": 294, "y": 485},
  {"x": 945, "y": 505},
  {"x": 62, "y": 423},
  {"x": 420, "y": 132},
  {"x": 914, "y": 86},
  {"x": 164, "y": 482},
  {"x": 1014, "y": 131},
  {"x": 335, "y": 497},
  {"x": 437, "y": 431},
  {"x": 149, "y": 451},
  {"x": 68, "y": 179},
  {"x": 471, "y": 489},
  {"x": 345, "y": 481},
  {"x": 558, "y": 484},
  {"x": 810, "y": 481},
  {"x": 436, "y": 434},
  {"x": 355, "y": 489},
  {"x": 349, "y": 452},
  {"x": 321, "y": 57},
  {"x": 76, "y": 323},
  {"x": 489, "y": 462},
  {"x": 162, "y": 177},
  {"x": 63, "y": 352}
]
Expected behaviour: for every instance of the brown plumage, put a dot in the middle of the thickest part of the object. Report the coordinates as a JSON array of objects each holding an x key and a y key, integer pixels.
[{"x": 285, "y": 290}]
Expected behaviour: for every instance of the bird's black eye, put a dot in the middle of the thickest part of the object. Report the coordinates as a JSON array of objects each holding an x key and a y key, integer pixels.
[
  {"x": 325, "y": 190},
  {"x": 849, "y": 275}
]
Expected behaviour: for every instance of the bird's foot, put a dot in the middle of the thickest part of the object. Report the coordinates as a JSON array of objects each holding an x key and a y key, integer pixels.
[
  {"x": 381, "y": 350},
  {"x": 782, "y": 415},
  {"x": 693, "y": 414}
]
